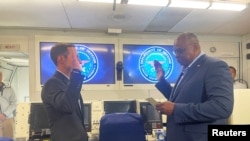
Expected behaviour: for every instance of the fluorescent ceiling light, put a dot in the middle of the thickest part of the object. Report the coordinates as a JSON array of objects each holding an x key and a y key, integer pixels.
[
  {"x": 149, "y": 2},
  {"x": 198, "y": 4},
  {"x": 189, "y": 4},
  {"x": 135, "y": 2},
  {"x": 227, "y": 6},
  {"x": 102, "y": 1}
]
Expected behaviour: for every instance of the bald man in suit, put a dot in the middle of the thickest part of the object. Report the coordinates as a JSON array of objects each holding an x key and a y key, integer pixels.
[{"x": 202, "y": 95}]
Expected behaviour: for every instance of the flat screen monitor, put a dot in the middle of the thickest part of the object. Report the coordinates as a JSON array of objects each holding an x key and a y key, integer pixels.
[
  {"x": 119, "y": 106},
  {"x": 87, "y": 117},
  {"x": 98, "y": 59},
  {"x": 138, "y": 63},
  {"x": 38, "y": 118},
  {"x": 152, "y": 118}
]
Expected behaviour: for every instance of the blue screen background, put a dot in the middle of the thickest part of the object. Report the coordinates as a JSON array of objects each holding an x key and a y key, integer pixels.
[
  {"x": 131, "y": 61},
  {"x": 105, "y": 73}
]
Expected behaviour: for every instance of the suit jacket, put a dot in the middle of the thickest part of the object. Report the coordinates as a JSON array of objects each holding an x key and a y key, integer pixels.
[
  {"x": 203, "y": 97},
  {"x": 63, "y": 102}
]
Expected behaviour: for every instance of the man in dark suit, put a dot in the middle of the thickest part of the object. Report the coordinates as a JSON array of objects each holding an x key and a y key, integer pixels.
[
  {"x": 202, "y": 95},
  {"x": 61, "y": 96}
]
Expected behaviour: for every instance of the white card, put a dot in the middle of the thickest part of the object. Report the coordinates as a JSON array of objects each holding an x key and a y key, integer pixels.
[{"x": 152, "y": 101}]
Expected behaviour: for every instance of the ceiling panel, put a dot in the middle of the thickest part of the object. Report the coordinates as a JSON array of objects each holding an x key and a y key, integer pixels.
[
  {"x": 72, "y": 14},
  {"x": 203, "y": 21},
  {"x": 166, "y": 19},
  {"x": 239, "y": 25},
  {"x": 33, "y": 13},
  {"x": 102, "y": 16}
]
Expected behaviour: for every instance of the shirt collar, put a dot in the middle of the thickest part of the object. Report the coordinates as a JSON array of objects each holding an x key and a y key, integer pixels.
[
  {"x": 63, "y": 74},
  {"x": 194, "y": 61}
]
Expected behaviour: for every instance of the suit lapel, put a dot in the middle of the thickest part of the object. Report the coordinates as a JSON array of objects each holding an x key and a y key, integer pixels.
[
  {"x": 175, "y": 87},
  {"x": 188, "y": 76},
  {"x": 80, "y": 110},
  {"x": 81, "y": 106},
  {"x": 63, "y": 78}
]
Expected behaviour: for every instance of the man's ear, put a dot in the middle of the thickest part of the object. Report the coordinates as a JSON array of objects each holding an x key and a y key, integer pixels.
[
  {"x": 196, "y": 45},
  {"x": 60, "y": 59}
]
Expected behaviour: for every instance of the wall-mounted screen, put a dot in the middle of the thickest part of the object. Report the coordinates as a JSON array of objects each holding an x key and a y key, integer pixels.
[
  {"x": 98, "y": 59},
  {"x": 138, "y": 62}
]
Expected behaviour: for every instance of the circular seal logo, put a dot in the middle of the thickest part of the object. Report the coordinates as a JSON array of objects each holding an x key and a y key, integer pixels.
[
  {"x": 146, "y": 62},
  {"x": 90, "y": 61}
]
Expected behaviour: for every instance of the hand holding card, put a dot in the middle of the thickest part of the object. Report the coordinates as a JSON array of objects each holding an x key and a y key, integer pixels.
[{"x": 152, "y": 101}]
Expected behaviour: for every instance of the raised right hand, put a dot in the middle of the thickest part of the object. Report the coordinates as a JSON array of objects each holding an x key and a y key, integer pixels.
[
  {"x": 159, "y": 70},
  {"x": 77, "y": 63}
]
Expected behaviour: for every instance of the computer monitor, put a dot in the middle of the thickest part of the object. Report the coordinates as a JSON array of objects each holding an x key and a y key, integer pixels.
[
  {"x": 119, "y": 106},
  {"x": 152, "y": 118},
  {"x": 87, "y": 116},
  {"x": 38, "y": 119}
]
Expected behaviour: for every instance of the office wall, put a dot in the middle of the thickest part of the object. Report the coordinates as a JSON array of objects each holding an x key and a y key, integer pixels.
[
  {"x": 227, "y": 48},
  {"x": 240, "y": 114},
  {"x": 18, "y": 79},
  {"x": 246, "y": 62}
]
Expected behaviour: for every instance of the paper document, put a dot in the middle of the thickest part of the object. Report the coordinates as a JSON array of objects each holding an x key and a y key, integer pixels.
[{"x": 152, "y": 101}]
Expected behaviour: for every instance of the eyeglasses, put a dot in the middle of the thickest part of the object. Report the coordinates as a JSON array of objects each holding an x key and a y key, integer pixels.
[{"x": 179, "y": 51}]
